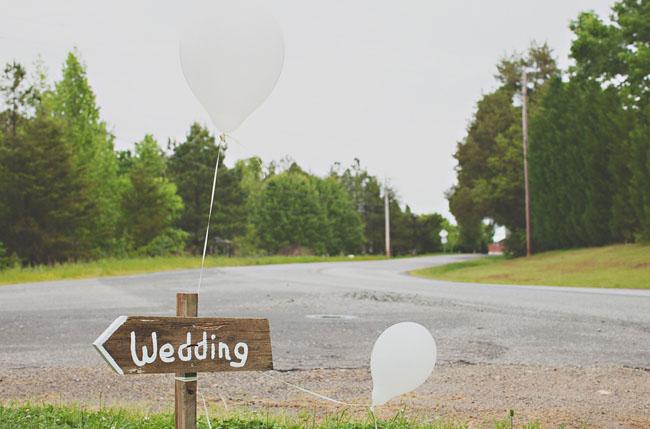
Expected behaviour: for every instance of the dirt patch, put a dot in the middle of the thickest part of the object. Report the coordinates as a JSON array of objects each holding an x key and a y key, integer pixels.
[
  {"x": 572, "y": 396},
  {"x": 507, "y": 278},
  {"x": 497, "y": 277}
]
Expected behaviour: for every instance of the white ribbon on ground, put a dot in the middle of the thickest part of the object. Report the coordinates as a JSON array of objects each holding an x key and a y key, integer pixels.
[{"x": 316, "y": 394}]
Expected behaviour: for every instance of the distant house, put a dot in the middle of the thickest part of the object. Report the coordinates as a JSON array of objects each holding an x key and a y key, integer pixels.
[{"x": 496, "y": 249}]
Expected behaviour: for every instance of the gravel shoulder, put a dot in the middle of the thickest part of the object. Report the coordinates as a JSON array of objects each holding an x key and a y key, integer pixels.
[
  {"x": 555, "y": 355},
  {"x": 611, "y": 397}
]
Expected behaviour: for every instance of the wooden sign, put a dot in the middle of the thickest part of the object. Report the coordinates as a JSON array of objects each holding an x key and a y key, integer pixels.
[
  {"x": 147, "y": 345},
  {"x": 185, "y": 345}
]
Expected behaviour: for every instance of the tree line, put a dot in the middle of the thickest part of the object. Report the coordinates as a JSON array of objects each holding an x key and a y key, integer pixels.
[
  {"x": 589, "y": 142},
  {"x": 66, "y": 194}
]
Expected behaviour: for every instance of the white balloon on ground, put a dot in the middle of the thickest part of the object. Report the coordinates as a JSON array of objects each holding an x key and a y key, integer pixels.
[
  {"x": 231, "y": 54},
  {"x": 402, "y": 359}
]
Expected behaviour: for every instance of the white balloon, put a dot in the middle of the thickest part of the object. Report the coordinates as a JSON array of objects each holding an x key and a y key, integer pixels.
[
  {"x": 232, "y": 55},
  {"x": 402, "y": 359}
]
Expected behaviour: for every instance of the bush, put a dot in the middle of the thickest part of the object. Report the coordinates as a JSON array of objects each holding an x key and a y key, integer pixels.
[
  {"x": 246, "y": 245},
  {"x": 171, "y": 242},
  {"x": 515, "y": 243},
  {"x": 7, "y": 261}
]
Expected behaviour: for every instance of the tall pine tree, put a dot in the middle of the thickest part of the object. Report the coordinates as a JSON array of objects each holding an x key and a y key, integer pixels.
[
  {"x": 191, "y": 167},
  {"x": 45, "y": 194},
  {"x": 150, "y": 204},
  {"x": 73, "y": 102}
]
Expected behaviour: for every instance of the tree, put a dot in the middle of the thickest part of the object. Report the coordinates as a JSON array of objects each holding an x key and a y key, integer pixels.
[
  {"x": 73, "y": 103},
  {"x": 402, "y": 226},
  {"x": 365, "y": 193},
  {"x": 640, "y": 180},
  {"x": 289, "y": 215},
  {"x": 19, "y": 98},
  {"x": 150, "y": 204},
  {"x": 344, "y": 230},
  {"x": 124, "y": 162},
  {"x": 18, "y": 94},
  {"x": 617, "y": 55},
  {"x": 252, "y": 175},
  {"x": 191, "y": 167},
  {"x": 490, "y": 158},
  {"x": 45, "y": 194},
  {"x": 427, "y": 233},
  {"x": 578, "y": 183}
]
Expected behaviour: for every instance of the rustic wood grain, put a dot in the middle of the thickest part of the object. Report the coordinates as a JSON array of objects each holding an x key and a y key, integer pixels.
[
  {"x": 187, "y": 304},
  {"x": 254, "y": 332}
]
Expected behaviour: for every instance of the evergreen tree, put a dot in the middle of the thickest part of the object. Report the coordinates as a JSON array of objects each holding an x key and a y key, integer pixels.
[
  {"x": 73, "y": 102},
  {"x": 640, "y": 180},
  {"x": 45, "y": 194},
  {"x": 402, "y": 228},
  {"x": 490, "y": 158},
  {"x": 365, "y": 192},
  {"x": 617, "y": 55},
  {"x": 344, "y": 231},
  {"x": 581, "y": 167},
  {"x": 150, "y": 204},
  {"x": 427, "y": 233},
  {"x": 191, "y": 167},
  {"x": 18, "y": 94}
]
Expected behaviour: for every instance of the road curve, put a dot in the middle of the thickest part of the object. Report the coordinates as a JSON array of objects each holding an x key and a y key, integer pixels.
[{"x": 54, "y": 323}]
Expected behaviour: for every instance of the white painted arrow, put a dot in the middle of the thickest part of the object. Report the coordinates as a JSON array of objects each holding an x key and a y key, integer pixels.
[{"x": 99, "y": 343}]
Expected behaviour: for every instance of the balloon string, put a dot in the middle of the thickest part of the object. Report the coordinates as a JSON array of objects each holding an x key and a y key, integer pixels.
[
  {"x": 374, "y": 418},
  {"x": 222, "y": 137},
  {"x": 316, "y": 394},
  {"x": 205, "y": 408}
]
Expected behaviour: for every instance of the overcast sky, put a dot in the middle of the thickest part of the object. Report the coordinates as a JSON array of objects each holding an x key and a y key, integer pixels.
[{"x": 392, "y": 83}]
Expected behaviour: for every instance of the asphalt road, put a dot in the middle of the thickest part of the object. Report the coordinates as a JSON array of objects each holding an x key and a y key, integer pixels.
[{"x": 54, "y": 324}]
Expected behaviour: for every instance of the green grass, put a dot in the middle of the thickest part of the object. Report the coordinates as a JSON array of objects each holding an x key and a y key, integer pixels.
[
  {"x": 117, "y": 267},
  {"x": 60, "y": 417},
  {"x": 617, "y": 266}
]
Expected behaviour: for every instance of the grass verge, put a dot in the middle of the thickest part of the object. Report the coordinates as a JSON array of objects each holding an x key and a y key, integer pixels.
[
  {"x": 60, "y": 417},
  {"x": 617, "y": 266},
  {"x": 117, "y": 267}
]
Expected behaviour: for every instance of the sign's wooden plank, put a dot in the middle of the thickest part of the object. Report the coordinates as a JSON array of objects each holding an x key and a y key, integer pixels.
[{"x": 147, "y": 345}]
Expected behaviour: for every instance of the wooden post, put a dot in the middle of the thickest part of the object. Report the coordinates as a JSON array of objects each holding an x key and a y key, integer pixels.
[
  {"x": 127, "y": 343},
  {"x": 186, "y": 382}
]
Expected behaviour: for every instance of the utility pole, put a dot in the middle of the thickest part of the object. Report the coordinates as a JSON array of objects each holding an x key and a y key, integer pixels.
[
  {"x": 387, "y": 218},
  {"x": 524, "y": 128}
]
